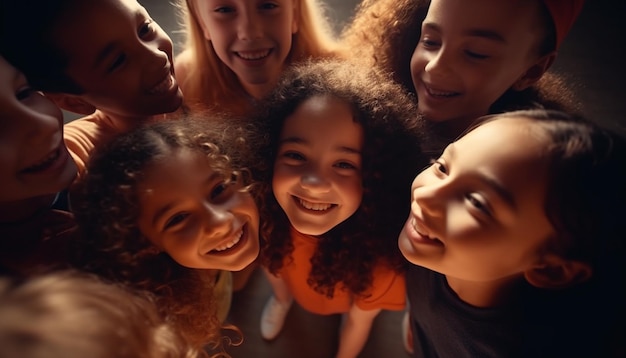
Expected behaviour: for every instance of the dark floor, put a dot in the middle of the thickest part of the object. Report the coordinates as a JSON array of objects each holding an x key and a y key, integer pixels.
[{"x": 592, "y": 59}]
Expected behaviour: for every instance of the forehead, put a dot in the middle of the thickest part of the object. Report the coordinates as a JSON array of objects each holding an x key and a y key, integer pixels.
[
  {"x": 510, "y": 17},
  {"x": 317, "y": 113},
  {"x": 512, "y": 151},
  {"x": 89, "y": 25}
]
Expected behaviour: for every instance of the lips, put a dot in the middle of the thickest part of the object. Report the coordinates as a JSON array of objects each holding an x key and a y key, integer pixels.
[
  {"x": 44, "y": 163},
  {"x": 420, "y": 233},
  {"x": 253, "y": 55},
  {"x": 439, "y": 93},
  {"x": 231, "y": 244},
  {"x": 164, "y": 86},
  {"x": 312, "y": 207}
]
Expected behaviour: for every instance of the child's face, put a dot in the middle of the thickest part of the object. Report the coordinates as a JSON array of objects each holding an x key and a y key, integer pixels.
[
  {"x": 33, "y": 157},
  {"x": 252, "y": 37},
  {"x": 199, "y": 218},
  {"x": 478, "y": 212},
  {"x": 120, "y": 57},
  {"x": 317, "y": 174},
  {"x": 470, "y": 53}
]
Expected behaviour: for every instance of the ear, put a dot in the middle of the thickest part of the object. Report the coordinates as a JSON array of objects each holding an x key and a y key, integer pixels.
[
  {"x": 296, "y": 12},
  {"x": 534, "y": 72},
  {"x": 555, "y": 272},
  {"x": 71, "y": 103}
]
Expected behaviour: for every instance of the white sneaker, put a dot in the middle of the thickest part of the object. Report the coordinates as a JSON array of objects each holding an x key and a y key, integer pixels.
[
  {"x": 407, "y": 335},
  {"x": 273, "y": 317}
]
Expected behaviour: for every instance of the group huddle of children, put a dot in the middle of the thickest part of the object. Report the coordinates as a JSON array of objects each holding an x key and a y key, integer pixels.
[{"x": 267, "y": 142}]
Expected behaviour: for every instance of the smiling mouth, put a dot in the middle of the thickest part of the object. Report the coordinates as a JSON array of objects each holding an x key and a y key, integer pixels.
[
  {"x": 438, "y": 93},
  {"x": 253, "y": 55},
  {"x": 230, "y": 244},
  {"x": 44, "y": 163},
  {"x": 420, "y": 233},
  {"x": 314, "y": 207},
  {"x": 163, "y": 86}
]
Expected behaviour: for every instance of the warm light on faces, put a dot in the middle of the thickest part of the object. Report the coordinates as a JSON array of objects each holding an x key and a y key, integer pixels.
[
  {"x": 317, "y": 174},
  {"x": 201, "y": 219},
  {"x": 477, "y": 213},
  {"x": 120, "y": 57},
  {"x": 252, "y": 37},
  {"x": 470, "y": 53},
  {"x": 33, "y": 158}
]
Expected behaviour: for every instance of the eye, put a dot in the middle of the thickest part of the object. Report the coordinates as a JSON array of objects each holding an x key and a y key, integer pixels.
[
  {"x": 478, "y": 202},
  {"x": 147, "y": 28},
  {"x": 268, "y": 6},
  {"x": 117, "y": 63},
  {"x": 476, "y": 56},
  {"x": 224, "y": 9},
  {"x": 294, "y": 156},
  {"x": 345, "y": 165},
  {"x": 175, "y": 219},
  {"x": 24, "y": 93},
  {"x": 222, "y": 191},
  {"x": 439, "y": 166},
  {"x": 429, "y": 43}
]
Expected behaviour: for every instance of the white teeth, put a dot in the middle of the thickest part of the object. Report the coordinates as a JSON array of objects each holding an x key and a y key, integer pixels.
[
  {"x": 253, "y": 55},
  {"x": 414, "y": 224},
  {"x": 440, "y": 93},
  {"x": 230, "y": 244},
  {"x": 314, "y": 206},
  {"x": 163, "y": 86}
]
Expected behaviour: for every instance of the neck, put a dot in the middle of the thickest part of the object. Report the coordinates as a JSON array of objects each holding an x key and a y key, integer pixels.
[
  {"x": 485, "y": 294},
  {"x": 122, "y": 123},
  {"x": 13, "y": 211}
]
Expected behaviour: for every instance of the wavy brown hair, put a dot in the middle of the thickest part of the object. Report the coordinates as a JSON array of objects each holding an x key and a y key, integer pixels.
[
  {"x": 391, "y": 156},
  {"x": 107, "y": 209}
]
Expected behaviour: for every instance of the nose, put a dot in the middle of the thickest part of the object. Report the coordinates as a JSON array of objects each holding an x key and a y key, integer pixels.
[
  {"x": 249, "y": 27},
  {"x": 438, "y": 62},
  {"x": 218, "y": 220},
  {"x": 314, "y": 181},
  {"x": 431, "y": 198},
  {"x": 41, "y": 122}
]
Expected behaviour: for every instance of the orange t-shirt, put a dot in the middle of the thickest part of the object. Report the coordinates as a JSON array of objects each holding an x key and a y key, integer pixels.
[
  {"x": 85, "y": 134},
  {"x": 388, "y": 289}
]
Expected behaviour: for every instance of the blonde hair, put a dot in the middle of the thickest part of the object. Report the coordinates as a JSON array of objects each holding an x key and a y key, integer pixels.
[
  {"x": 210, "y": 83},
  {"x": 70, "y": 314}
]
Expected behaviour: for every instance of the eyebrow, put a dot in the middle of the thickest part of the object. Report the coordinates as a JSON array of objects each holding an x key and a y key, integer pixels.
[
  {"x": 474, "y": 32},
  {"x": 339, "y": 148},
  {"x": 492, "y": 183},
  {"x": 162, "y": 211}
]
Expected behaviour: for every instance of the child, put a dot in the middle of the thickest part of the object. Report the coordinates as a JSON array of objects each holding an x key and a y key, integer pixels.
[
  {"x": 164, "y": 208},
  {"x": 35, "y": 170},
  {"x": 466, "y": 59},
  {"x": 505, "y": 227},
  {"x": 342, "y": 142},
  {"x": 235, "y": 52},
  {"x": 106, "y": 59},
  {"x": 67, "y": 314}
]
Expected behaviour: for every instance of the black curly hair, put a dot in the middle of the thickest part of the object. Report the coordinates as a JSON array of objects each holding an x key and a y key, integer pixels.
[{"x": 391, "y": 156}]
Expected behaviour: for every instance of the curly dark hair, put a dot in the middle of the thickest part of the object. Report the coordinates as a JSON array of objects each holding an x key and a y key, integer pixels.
[
  {"x": 106, "y": 207},
  {"x": 391, "y": 157}
]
